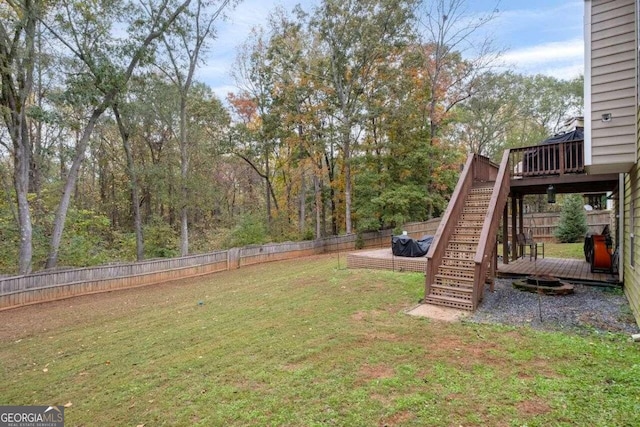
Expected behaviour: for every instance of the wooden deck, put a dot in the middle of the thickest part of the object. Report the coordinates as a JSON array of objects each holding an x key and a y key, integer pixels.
[
  {"x": 568, "y": 269},
  {"x": 383, "y": 259}
]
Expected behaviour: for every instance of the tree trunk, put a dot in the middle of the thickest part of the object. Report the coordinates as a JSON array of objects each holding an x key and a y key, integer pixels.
[
  {"x": 17, "y": 59},
  {"x": 346, "y": 142},
  {"x": 318, "y": 205},
  {"x": 302, "y": 212},
  {"x": 69, "y": 186},
  {"x": 267, "y": 186},
  {"x": 21, "y": 183},
  {"x": 135, "y": 198},
  {"x": 332, "y": 194},
  {"x": 184, "y": 171}
]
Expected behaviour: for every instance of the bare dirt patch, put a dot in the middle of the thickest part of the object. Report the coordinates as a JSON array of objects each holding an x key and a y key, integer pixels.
[
  {"x": 397, "y": 419},
  {"x": 384, "y": 336},
  {"x": 369, "y": 315},
  {"x": 376, "y": 372},
  {"x": 533, "y": 407},
  {"x": 467, "y": 354}
]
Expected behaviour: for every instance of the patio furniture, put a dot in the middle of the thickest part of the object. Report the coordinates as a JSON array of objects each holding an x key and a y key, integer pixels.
[{"x": 525, "y": 242}]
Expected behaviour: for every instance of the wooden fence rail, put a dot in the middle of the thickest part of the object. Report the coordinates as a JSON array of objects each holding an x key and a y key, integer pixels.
[
  {"x": 53, "y": 285},
  {"x": 544, "y": 225}
]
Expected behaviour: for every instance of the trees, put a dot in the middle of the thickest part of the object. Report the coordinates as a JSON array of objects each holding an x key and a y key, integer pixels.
[
  {"x": 183, "y": 48},
  {"x": 103, "y": 66},
  {"x": 17, "y": 62},
  {"x": 573, "y": 220},
  {"x": 257, "y": 128},
  {"x": 357, "y": 36},
  {"x": 513, "y": 110},
  {"x": 449, "y": 32},
  {"x": 352, "y": 117}
]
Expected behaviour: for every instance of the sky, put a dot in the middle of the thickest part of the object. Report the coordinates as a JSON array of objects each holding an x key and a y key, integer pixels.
[{"x": 542, "y": 36}]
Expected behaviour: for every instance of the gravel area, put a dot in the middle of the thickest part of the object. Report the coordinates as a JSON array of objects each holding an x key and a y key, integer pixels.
[{"x": 589, "y": 309}]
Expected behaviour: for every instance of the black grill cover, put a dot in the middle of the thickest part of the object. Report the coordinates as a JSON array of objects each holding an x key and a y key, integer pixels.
[{"x": 407, "y": 247}]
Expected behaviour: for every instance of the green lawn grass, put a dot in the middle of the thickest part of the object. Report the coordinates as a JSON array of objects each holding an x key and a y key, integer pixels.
[
  {"x": 304, "y": 343},
  {"x": 564, "y": 250},
  {"x": 558, "y": 250}
]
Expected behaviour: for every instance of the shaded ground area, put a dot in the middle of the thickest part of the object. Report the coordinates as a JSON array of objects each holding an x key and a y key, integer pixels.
[{"x": 589, "y": 309}]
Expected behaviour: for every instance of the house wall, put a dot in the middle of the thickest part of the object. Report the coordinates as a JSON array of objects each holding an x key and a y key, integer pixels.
[
  {"x": 611, "y": 76},
  {"x": 631, "y": 263}
]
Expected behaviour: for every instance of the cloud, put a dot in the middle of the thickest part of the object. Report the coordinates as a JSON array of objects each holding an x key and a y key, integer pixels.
[
  {"x": 566, "y": 72},
  {"x": 563, "y": 60},
  {"x": 568, "y": 50},
  {"x": 222, "y": 91}
]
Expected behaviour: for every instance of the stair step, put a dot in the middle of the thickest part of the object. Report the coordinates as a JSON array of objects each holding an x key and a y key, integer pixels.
[
  {"x": 485, "y": 186},
  {"x": 462, "y": 294},
  {"x": 471, "y": 203},
  {"x": 467, "y": 231},
  {"x": 457, "y": 262},
  {"x": 470, "y": 238},
  {"x": 470, "y": 224},
  {"x": 459, "y": 255},
  {"x": 454, "y": 281},
  {"x": 482, "y": 190},
  {"x": 475, "y": 210},
  {"x": 463, "y": 289},
  {"x": 457, "y": 272},
  {"x": 449, "y": 302},
  {"x": 479, "y": 196},
  {"x": 473, "y": 216},
  {"x": 461, "y": 245},
  {"x": 446, "y": 291},
  {"x": 472, "y": 227}
]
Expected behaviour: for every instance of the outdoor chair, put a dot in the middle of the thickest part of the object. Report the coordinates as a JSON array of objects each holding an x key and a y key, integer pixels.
[{"x": 528, "y": 242}]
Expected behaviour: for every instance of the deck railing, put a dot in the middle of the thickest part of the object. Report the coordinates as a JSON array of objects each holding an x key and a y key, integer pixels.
[{"x": 558, "y": 158}]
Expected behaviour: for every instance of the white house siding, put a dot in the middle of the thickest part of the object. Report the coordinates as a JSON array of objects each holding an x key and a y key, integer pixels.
[{"x": 613, "y": 86}]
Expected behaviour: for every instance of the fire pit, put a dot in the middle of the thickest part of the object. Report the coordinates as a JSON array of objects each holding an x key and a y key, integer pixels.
[{"x": 548, "y": 285}]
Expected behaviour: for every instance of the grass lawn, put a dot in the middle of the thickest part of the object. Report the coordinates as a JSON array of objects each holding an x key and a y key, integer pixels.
[
  {"x": 564, "y": 250},
  {"x": 559, "y": 250},
  {"x": 304, "y": 343}
]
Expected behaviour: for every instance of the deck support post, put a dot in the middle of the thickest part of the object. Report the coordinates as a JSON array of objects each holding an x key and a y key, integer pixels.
[
  {"x": 494, "y": 267},
  {"x": 505, "y": 234},
  {"x": 521, "y": 217},
  {"x": 514, "y": 230}
]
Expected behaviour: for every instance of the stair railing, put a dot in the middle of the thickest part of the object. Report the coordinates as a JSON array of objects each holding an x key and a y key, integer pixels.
[
  {"x": 488, "y": 235},
  {"x": 449, "y": 220}
]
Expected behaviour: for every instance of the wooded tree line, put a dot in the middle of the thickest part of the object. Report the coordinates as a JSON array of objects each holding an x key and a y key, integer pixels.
[{"x": 353, "y": 116}]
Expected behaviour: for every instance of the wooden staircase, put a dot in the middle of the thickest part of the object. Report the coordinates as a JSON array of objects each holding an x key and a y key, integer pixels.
[
  {"x": 464, "y": 245},
  {"x": 454, "y": 282}
]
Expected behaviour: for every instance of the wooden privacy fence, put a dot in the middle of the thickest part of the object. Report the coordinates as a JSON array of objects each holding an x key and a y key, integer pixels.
[
  {"x": 53, "y": 285},
  {"x": 544, "y": 225}
]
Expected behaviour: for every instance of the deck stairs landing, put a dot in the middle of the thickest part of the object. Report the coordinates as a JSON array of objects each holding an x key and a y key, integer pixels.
[{"x": 454, "y": 281}]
